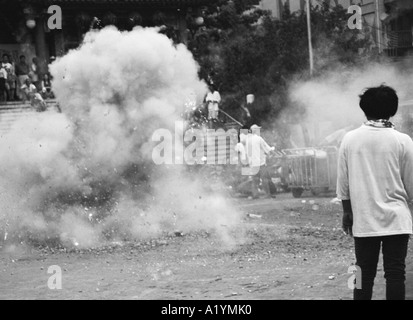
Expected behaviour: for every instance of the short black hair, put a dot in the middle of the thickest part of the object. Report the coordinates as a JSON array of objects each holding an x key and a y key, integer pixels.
[{"x": 379, "y": 102}]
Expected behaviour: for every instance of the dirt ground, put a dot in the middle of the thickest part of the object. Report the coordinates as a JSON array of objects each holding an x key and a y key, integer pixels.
[{"x": 285, "y": 248}]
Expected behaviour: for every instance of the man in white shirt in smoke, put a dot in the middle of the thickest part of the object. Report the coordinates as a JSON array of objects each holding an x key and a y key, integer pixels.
[{"x": 257, "y": 151}]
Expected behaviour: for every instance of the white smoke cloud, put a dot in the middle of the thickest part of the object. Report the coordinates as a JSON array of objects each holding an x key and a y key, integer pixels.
[
  {"x": 87, "y": 173},
  {"x": 331, "y": 101}
]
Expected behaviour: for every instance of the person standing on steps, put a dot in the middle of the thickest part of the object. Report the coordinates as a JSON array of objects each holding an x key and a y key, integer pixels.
[{"x": 213, "y": 99}]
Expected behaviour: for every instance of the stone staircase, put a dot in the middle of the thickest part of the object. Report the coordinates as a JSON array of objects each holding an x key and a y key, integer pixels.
[
  {"x": 217, "y": 148},
  {"x": 13, "y": 111}
]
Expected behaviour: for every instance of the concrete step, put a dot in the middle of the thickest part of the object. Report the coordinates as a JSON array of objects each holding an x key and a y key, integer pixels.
[{"x": 12, "y": 112}]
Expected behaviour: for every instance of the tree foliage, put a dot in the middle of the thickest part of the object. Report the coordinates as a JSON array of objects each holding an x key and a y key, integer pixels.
[{"x": 243, "y": 50}]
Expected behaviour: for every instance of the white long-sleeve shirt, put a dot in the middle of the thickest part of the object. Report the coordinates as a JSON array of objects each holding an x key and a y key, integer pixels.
[
  {"x": 213, "y": 99},
  {"x": 257, "y": 150},
  {"x": 375, "y": 171},
  {"x": 3, "y": 73}
]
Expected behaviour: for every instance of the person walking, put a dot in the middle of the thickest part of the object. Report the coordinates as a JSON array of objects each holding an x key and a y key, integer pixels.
[
  {"x": 257, "y": 152},
  {"x": 375, "y": 184}
]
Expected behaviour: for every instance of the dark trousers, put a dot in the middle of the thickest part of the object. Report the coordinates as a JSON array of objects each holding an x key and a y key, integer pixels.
[
  {"x": 394, "y": 249},
  {"x": 3, "y": 96},
  {"x": 263, "y": 175}
]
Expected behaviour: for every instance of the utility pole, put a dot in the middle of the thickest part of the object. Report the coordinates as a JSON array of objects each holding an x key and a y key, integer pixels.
[
  {"x": 378, "y": 26},
  {"x": 310, "y": 50},
  {"x": 310, "y": 45}
]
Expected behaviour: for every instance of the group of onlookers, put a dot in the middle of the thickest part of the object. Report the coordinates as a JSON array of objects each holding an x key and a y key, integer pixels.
[{"x": 23, "y": 81}]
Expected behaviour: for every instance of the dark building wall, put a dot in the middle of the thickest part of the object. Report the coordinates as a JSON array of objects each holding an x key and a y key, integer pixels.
[{"x": 77, "y": 19}]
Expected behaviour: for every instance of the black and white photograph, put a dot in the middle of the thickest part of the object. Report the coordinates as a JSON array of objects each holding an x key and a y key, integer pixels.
[{"x": 204, "y": 155}]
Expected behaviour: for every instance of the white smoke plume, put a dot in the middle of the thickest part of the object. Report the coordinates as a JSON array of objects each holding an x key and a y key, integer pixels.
[
  {"x": 331, "y": 101},
  {"x": 86, "y": 174}
]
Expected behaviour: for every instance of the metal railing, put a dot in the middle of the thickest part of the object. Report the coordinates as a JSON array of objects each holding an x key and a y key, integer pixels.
[
  {"x": 232, "y": 118},
  {"x": 398, "y": 43},
  {"x": 399, "y": 39}
]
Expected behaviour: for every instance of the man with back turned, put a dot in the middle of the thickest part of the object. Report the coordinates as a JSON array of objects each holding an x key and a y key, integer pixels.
[{"x": 375, "y": 184}]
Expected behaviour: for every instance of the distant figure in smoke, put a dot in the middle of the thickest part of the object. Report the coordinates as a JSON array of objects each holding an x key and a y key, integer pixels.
[
  {"x": 375, "y": 184},
  {"x": 28, "y": 89},
  {"x": 34, "y": 72},
  {"x": 3, "y": 80},
  {"x": 36, "y": 99},
  {"x": 243, "y": 184},
  {"x": 240, "y": 148},
  {"x": 10, "y": 78},
  {"x": 213, "y": 100},
  {"x": 246, "y": 107},
  {"x": 46, "y": 85},
  {"x": 257, "y": 151},
  {"x": 22, "y": 73},
  {"x": 38, "y": 102}
]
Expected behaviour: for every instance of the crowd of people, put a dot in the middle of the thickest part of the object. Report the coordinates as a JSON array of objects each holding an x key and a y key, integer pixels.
[{"x": 23, "y": 81}]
